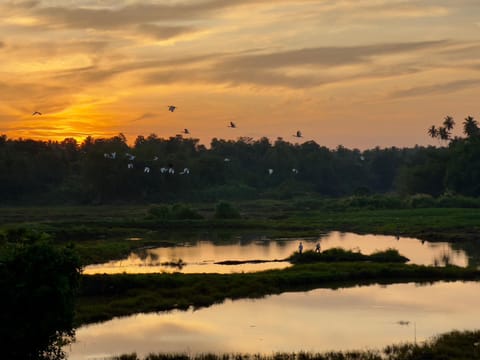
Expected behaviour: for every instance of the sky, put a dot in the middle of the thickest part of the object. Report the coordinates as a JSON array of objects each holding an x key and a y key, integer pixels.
[{"x": 357, "y": 73}]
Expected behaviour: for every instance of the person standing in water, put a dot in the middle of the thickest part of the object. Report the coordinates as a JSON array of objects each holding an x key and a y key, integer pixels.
[
  {"x": 300, "y": 247},
  {"x": 317, "y": 247}
]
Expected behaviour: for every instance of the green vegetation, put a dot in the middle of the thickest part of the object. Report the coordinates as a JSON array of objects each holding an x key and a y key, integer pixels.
[
  {"x": 38, "y": 283},
  {"x": 105, "y": 296},
  {"x": 338, "y": 255},
  {"x": 454, "y": 345},
  {"x": 110, "y": 171}
]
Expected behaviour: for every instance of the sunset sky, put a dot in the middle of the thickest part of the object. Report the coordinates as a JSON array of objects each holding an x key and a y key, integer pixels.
[{"x": 361, "y": 73}]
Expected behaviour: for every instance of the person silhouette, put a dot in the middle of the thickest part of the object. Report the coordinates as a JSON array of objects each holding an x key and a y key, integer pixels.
[
  {"x": 300, "y": 247},
  {"x": 317, "y": 247}
]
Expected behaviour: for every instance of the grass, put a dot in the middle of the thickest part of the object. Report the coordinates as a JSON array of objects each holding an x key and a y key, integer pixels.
[
  {"x": 103, "y": 297},
  {"x": 99, "y": 232},
  {"x": 453, "y": 345}
]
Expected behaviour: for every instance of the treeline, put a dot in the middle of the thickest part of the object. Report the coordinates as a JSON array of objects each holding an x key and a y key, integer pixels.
[{"x": 153, "y": 169}]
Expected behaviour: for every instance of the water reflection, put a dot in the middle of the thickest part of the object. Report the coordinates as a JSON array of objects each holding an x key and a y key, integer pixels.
[
  {"x": 319, "y": 320},
  {"x": 202, "y": 255}
]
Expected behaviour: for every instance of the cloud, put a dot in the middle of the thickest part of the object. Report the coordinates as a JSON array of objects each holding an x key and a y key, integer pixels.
[
  {"x": 163, "y": 32},
  {"x": 439, "y": 88}
]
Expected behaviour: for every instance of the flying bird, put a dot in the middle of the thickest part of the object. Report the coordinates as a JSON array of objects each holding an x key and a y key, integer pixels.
[
  {"x": 232, "y": 125},
  {"x": 171, "y": 108},
  {"x": 36, "y": 113},
  {"x": 298, "y": 134}
]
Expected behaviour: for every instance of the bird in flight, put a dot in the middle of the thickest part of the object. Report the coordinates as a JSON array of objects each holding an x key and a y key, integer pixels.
[
  {"x": 36, "y": 113},
  {"x": 232, "y": 125},
  {"x": 298, "y": 134},
  {"x": 171, "y": 108}
]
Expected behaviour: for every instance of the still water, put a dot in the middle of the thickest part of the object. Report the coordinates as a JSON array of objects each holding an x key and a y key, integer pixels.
[
  {"x": 318, "y": 320},
  {"x": 202, "y": 255}
]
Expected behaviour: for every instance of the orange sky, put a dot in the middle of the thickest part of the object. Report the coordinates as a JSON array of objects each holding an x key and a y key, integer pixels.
[{"x": 360, "y": 73}]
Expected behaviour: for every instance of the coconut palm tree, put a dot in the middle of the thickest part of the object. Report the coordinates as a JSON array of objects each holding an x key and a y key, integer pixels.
[
  {"x": 448, "y": 123},
  {"x": 443, "y": 133},
  {"x": 433, "y": 132},
  {"x": 470, "y": 127}
]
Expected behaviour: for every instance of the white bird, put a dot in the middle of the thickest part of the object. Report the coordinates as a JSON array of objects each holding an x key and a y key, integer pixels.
[
  {"x": 171, "y": 108},
  {"x": 146, "y": 170},
  {"x": 130, "y": 156},
  {"x": 36, "y": 113},
  {"x": 171, "y": 171},
  {"x": 232, "y": 125},
  {"x": 295, "y": 171},
  {"x": 113, "y": 155},
  {"x": 362, "y": 157},
  {"x": 155, "y": 158},
  {"x": 270, "y": 171},
  {"x": 163, "y": 170},
  {"x": 185, "y": 171},
  {"x": 130, "y": 165},
  {"x": 226, "y": 160},
  {"x": 298, "y": 134},
  {"x": 106, "y": 156}
]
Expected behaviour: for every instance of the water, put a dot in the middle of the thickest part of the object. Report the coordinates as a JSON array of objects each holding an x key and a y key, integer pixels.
[
  {"x": 201, "y": 256},
  {"x": 316, "y": 321}
]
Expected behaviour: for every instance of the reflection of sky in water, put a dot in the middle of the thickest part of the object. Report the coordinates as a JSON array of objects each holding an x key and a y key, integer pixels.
[
  {"x": 200, "y": 256},
  {"x": 318, "y": 320}
]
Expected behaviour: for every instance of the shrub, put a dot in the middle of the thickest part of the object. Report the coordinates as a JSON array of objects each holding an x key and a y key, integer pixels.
[
  {"x": 421, "y": 201},
  {"x": 225, "y": 210}
]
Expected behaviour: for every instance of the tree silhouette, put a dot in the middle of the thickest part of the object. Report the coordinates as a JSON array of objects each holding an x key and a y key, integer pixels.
[
  {"x": 448, "y": 123},
  {"x": 433, "y": 132},
  {"x": 470, "y": 127}
]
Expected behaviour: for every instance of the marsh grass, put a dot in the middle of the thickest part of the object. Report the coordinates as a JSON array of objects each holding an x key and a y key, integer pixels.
[
  {"x": 103, "y": 297},
  {"x": 454, "y": 345}
]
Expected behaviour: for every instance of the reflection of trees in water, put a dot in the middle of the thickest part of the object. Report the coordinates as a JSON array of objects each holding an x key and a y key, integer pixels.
[{"x": 471, "y": 249}]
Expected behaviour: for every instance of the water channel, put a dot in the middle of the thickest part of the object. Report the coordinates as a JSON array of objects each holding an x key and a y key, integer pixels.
[
  {"x": 316, "y": 321},
  {"x": 202, "y": 254}
]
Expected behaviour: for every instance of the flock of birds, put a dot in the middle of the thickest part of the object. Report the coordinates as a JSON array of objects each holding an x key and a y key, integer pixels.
[{"x": 170, "y": 169}]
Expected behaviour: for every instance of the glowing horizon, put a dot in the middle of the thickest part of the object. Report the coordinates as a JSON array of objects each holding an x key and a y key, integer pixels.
[{"x": 357, "y": 73}]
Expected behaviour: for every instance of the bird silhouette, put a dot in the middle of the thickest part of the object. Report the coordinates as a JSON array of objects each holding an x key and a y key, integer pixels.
[
  {"x": 298, "y": 134},
  {"x": 232, "y": 125},
  {"x": 171, "y": 108},
  {"x": 36, "y": 113},
  {"x": 185, "y": 131}
]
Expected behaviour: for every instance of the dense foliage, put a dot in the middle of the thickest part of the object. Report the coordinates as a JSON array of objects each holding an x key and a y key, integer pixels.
[
  {"x": 38, "y": 283},
  {"x": 154, "y": 169}
]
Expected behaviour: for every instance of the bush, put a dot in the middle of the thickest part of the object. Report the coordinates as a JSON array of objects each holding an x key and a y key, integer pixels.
[
  {"x": 174, "y": 212},
  {"x": 421, "y": 201},
  {"x": 225, "y": 210}
]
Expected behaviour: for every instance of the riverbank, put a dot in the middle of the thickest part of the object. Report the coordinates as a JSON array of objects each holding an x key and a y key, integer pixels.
[
  {"x": 103, "y": 297},
  {"x": 99, "y": 232},
  {"x": 455, "y": 345}
]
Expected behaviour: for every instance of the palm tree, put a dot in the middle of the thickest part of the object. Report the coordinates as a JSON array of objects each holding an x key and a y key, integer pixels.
[
  {"x": 470, "y": 127},
  {"x": 443, "y": 133},
  {"x": 448, "y": 122},
  {"x": 433, "y": 132}
]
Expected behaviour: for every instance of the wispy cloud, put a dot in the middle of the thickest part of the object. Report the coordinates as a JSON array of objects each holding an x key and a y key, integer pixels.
[{"x": 438, "y": 88}]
